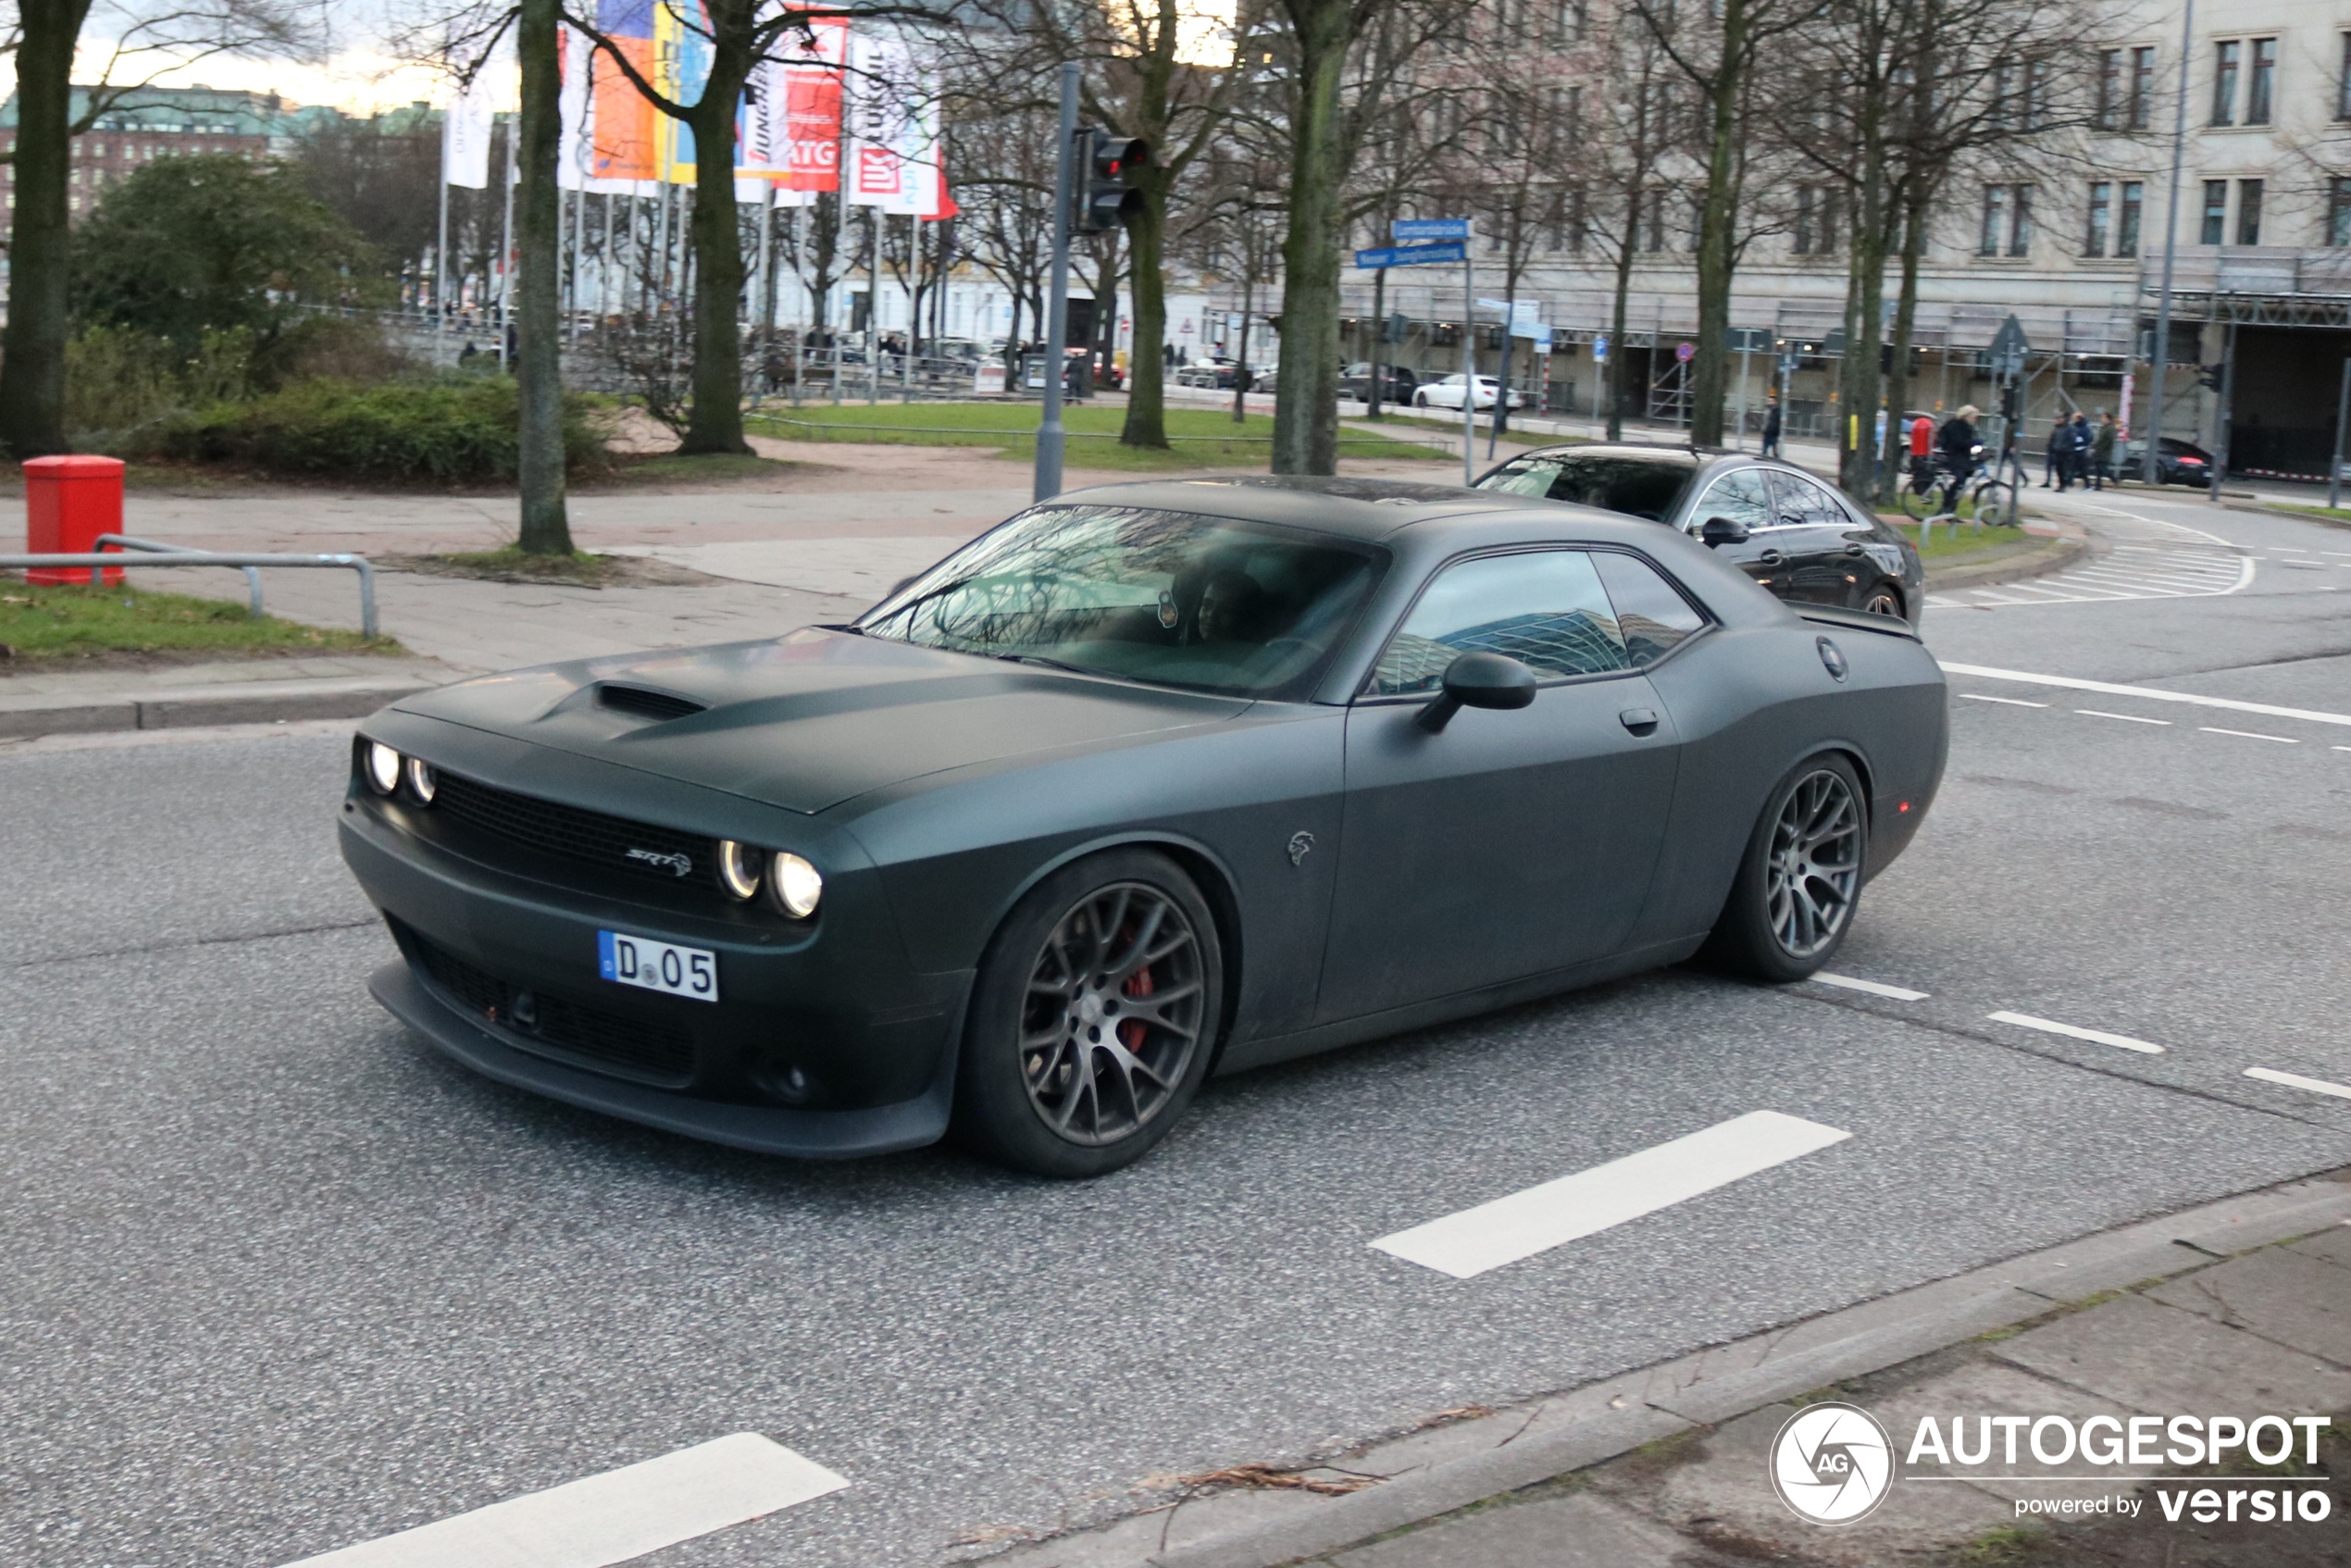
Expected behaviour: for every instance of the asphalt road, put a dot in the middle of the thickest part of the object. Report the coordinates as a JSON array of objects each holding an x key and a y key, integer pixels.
[{"x": 275, "y": 1279}]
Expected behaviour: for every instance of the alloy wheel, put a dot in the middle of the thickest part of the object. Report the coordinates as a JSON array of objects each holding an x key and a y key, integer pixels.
[
  {"x": 1815, "y": 866},
  {"x": 1112, "y": 1014},
  {"x": 1884, "y": 601}
]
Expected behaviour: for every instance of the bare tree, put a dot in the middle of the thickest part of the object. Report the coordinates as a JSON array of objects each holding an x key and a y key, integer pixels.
[{"x": 45, "y": 37}]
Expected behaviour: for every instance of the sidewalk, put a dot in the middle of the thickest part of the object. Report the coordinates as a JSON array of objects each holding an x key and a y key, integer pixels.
[{"x": 2239, "y": 1308}]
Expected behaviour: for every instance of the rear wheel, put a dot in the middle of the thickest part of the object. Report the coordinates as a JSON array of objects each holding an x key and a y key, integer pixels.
[
  {"x": 1793, "y": 899},
  {"x": 1995, "y": 504},
  {"x": 1092, "y": 1018},
  {"x": 1918, "y": 493},
  {"x": 1884, "y": 600}
]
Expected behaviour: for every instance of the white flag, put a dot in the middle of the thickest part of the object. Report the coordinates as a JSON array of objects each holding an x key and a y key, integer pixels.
[
  {"x": 576, "y": 148},
  {"x": 893, "y": 126},
  {"x": 465, "y": 136}
]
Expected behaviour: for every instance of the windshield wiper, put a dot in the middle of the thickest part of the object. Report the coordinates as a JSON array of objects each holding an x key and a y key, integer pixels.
[{"x": 1042, "y": 661}]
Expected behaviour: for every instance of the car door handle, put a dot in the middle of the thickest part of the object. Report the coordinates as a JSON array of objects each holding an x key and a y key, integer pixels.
[
  {"x": 1853, "y": 550},
  {"x": 1640, "y": 721},
  {"x": 1770, "y": 558}
]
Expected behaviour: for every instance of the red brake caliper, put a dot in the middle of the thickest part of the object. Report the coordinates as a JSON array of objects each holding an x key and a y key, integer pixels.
[{"x": 1130, "y": 1030}]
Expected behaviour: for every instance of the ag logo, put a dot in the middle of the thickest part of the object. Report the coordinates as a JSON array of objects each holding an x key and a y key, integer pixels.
[{"x": 1832, "y": 1463}]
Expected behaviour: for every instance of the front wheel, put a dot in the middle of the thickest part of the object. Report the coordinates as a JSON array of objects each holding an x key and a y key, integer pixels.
[
  {"x": 1092, "y": 1018},
  {"x": 1793, "y": 899},
  {"x": 1995, "y": 504},
  {"x": 1918, "y": 497},
  {"x": 1884, "y": 600}
]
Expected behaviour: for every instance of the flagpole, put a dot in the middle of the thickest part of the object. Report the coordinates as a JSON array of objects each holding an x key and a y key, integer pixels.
[{"x": 441, "y": 249}]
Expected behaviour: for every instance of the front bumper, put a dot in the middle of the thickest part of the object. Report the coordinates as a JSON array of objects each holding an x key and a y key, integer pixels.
[
  {"x": 821, "y": 1043},
  {"x": 762, "y": 1129}
]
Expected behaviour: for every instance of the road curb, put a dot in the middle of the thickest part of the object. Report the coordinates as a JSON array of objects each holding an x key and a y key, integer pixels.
[
  {"x": 1710, "y": 1386},
  {"x": 27, "y": 719},
  {"x": 2049, "y": 555}
]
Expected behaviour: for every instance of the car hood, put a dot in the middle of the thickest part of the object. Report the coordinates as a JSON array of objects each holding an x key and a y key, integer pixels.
[{"x": 815, "y": 719}]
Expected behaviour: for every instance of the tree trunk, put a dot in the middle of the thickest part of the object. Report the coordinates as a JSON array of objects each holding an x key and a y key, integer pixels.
[
  {"x": 32, "y": 356},
  {"x": 538, "y": 329},
  {"x": 1905, "y": 312},
  {"x": 1306, "y": 402},
  {"x": 1616, "y": 327},
  {"x": 1710, "y": 369},
  {"x": 1859, "y": 378},
  {"x": 715, "y": 422},
  {"x": 1145, "y": 370}
]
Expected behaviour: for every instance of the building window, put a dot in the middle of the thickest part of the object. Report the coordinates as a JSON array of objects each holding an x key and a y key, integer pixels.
[
  {"x": 1995, "y": 218},
  {"x": 2261, "y": 91},
  {"x": 2126, "y": 226},
  {"x": 2343, "y": 82},
  {"x": 2225, "y": 60},
  {"x": 2007, "y": 220},
  {"x": 2248, "y": 212},
  {"x": 2339, "y": 211},
  {"x": 1572, "y": 19},
  {"x": 1815, "y": 220},
  {"x": 2020, "y": 229},
  {"x": 1655, "y": 241},
  {"x": 2093, "y": 242},
  {"x": 2143, "y": 86},
  {"x": 2216, "y": 212},
  {"x": 2109, "y": 86}
]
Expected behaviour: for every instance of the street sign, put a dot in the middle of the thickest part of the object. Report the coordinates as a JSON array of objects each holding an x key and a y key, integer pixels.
[
  {"x": 1542, "y": 335},
  {"x": 1599, "y": 348},
  {"x": 1429, "y": 229},
  {"x": 1411, "y": 256},
  {"x": 1685, "y": 352},
  {"x": 2009, "y": 349},
  {"x": 1747, "y": 340}
]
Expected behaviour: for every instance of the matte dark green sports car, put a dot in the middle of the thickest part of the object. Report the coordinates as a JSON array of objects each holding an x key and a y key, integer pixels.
[{"x": 1150, "y": 781}]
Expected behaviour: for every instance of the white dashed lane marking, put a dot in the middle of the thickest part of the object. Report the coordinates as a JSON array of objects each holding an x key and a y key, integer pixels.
[
  {"x": 2096, "y": 1037},
  {"x": 1540, "y": 1218},
  {"x": 1873, "y": 988},
  {"x": 2295, "y": 1080},
  {"x": 608, "y": 1518},
  {"x": 2249, "y": 735},
  {"x": 2010, "y": 702},
  {"x": 2127, "y": 718},
  {"x": 2151, "y": 693}
]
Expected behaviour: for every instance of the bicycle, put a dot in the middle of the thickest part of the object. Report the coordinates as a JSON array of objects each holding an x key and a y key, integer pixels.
[{"x": 1930, "y": 494}]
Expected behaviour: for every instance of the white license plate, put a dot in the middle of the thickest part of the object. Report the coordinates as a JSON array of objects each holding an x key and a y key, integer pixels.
[{"x": 657, "y": 966}]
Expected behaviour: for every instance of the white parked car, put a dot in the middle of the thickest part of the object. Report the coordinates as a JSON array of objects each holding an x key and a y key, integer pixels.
[{"x": 1447, "y": 394}]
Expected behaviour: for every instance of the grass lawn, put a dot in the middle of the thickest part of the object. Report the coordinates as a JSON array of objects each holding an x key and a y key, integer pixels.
[
  {"x": 1947, "y": 544},
  {"x": 1199, "y": 437},
  {"x": 40, "y": 622},
  {"x": 673, "y": 467}
]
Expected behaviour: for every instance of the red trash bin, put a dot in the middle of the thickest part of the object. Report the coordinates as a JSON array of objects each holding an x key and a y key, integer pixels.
[{"x": 68, "y": 501}]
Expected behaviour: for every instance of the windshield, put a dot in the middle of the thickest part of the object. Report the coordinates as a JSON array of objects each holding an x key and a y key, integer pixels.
[
  {"x": 1167, "y": 597},
  {"x": 1639, "y": 487}
]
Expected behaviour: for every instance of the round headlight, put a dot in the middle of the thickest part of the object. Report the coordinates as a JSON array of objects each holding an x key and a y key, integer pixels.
[
  {"x": 738, "y": 868},
  {"x": 795, "y": 884},
  {"x": 383, "y": 769},
  {"x": 423, "y": 779}
]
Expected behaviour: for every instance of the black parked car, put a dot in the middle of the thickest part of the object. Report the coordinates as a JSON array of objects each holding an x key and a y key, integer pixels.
[
  {"x": 1150, "y": 781},
  {"x": 1395, "y": 383},
  {"x": 2176, "y": 461},
  {"x": 1798, "y": 536}
]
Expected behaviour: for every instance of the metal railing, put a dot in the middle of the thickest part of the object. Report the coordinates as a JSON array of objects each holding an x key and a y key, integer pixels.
[{"x": 155, "y": 554}]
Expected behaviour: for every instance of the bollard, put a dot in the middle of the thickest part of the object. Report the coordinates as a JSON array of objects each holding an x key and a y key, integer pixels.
[{"x": 68, "y": 501}]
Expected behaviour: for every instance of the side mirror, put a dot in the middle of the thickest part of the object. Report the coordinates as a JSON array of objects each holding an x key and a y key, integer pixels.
[
  {"x": 1479, "y": 680},
  {"x": 1719, "y": 531}
]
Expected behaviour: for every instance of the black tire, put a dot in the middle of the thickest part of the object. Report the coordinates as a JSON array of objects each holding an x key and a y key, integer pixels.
[
  {"x": 1066, "y": 1070},
  {"x": 1763, "y": 932}
]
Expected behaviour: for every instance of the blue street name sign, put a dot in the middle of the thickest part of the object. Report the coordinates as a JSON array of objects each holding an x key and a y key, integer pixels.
[
  {"x": 1429, "y": 229},
  {"x": 1411, "y": 256}
]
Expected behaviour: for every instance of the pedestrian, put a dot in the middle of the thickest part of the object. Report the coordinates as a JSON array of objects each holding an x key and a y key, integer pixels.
[
  {"x": 1772, "y": 425},
  {"x": 2053, "y": 456},
  {"x": 2102, "y": 449},
  {"x": 2079, "y": 438}
]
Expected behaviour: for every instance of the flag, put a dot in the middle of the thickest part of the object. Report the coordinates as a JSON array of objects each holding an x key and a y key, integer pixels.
[
  {"x": 465, "y": 136},
  {"x": 681, "y": 58},
  {"x": 893, "y": 119},
  {"x": 791, "y": 121},
  {"x": 622, "y": 117},
  {"x": 574, "y": 147}
]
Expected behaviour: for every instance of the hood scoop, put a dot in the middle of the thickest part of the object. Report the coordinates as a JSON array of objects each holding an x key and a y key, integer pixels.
[{"x": 645, "y": 702}]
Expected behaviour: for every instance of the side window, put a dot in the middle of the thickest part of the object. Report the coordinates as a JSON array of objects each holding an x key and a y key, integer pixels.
[
  {"x": 1523, "y": 475},
  {"x": 1545, "y": 608},
  {"x": 1803, "y": 502},
  {"x": 1740, "y": 497},
  {"x": 1651, "y": 615}
]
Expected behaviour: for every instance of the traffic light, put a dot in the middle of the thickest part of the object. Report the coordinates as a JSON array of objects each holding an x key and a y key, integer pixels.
[
  {"x": 2208, "y": 376},
  {"x": 1104, "y": 197}
]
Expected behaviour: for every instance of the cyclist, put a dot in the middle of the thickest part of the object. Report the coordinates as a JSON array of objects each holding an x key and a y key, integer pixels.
[{"x": 1954, "y": 450}]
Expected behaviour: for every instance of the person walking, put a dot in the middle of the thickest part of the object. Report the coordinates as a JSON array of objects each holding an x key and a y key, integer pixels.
[
  {"x": 1772, "y": 425},
  {"x": 2102, "y": 450},
  {"x": 2053, "y": 455},
  {"x": 2077, "y": 451}
]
